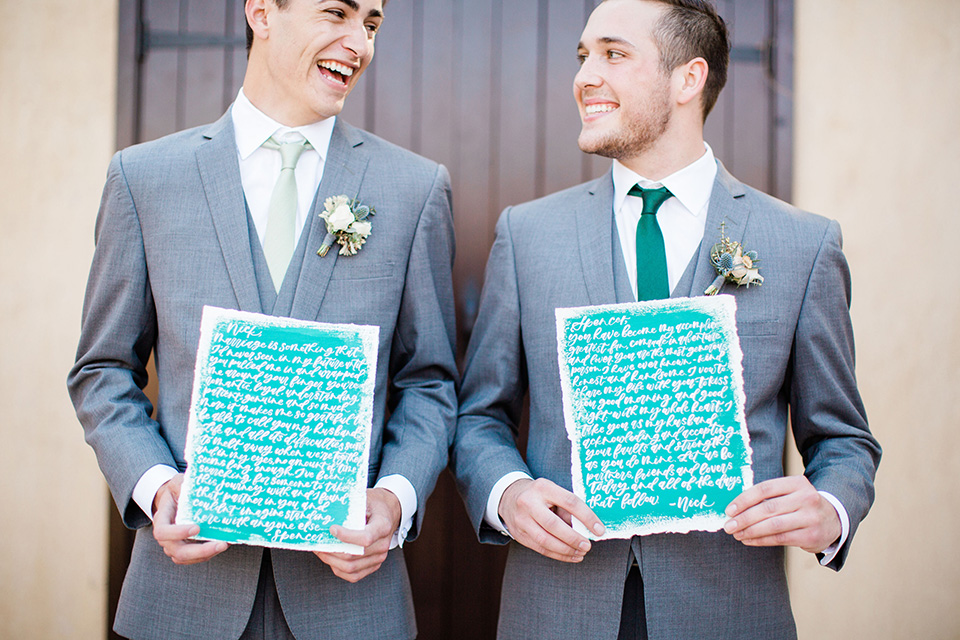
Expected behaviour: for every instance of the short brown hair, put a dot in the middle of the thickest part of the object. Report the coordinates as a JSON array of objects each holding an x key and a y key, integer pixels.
[{"x": 693, "y": 29}]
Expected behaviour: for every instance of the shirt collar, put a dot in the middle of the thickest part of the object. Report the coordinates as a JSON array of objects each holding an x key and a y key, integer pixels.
[
  {"x": 252, "y": 127},
  {"x": 691, "y": 185}
]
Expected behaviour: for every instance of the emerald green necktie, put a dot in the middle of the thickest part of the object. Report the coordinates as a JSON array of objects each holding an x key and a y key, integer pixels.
[
  {"x": 652, "y": 282},
  {"x": 282, "y": 214}
]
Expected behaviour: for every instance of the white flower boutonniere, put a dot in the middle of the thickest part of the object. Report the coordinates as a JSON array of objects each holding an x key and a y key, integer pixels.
[
  {"x": 733, "y": 264},
  {"x": 347, "y": 224}
]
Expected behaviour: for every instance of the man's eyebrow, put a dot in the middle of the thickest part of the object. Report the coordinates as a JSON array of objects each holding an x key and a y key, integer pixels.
[
  {"x": 353, "y": 4},
  {"x": 609, "y": 40},
  {"x": 616, "y": 40}
]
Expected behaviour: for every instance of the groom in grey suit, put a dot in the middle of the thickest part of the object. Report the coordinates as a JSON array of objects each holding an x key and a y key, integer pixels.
[
  {"x": 650, "y": 72},
  {"x": 186, "y": 221}
]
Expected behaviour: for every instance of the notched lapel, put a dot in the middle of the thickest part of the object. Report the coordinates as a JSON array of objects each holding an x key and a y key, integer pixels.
[
  {"x": 728, "y": 207},
  {"x": 220, "y": 175},
  {"x": 594, "y": 215},
  {"x": 343, "y": 172}
]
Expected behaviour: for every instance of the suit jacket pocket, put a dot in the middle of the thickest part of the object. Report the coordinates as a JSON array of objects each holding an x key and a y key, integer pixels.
[
  {"x": 758, "y": 328},
  {"x": 362, "y": 272}
]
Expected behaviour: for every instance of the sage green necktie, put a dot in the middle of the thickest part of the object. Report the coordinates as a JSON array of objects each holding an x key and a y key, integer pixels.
[
  {"x": 282, "y": 214},
  {"x": 652, "y": 281}
]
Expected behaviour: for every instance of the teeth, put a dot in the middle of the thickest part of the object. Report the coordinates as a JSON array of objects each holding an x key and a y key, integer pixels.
[
  {"x": 339, "y": 68},
  {"x": 591, "y": 109}
]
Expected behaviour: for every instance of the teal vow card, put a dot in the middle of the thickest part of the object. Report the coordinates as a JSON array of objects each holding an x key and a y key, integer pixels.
[
  {"x": 654, "y": 408},
  {"x": 279, "y": 435}
]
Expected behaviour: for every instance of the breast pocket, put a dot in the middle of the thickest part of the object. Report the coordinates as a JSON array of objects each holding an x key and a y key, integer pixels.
[
  {"x": 372, "y": 271},
  {"x": 758, "y": 328}
]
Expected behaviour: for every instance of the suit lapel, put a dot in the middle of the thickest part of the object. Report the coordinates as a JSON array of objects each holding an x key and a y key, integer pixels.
[
  {"x": 727, "y": 207},
  {"x": 220, "y": 175},
  {"x": 594, "y": 216},
  {"x": 343, "y": 172}
]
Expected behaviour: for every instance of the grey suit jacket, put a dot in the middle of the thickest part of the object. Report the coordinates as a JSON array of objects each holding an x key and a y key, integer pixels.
[
  {"x": 563, "y": 251},
  {"x": 172, "y": 236}
]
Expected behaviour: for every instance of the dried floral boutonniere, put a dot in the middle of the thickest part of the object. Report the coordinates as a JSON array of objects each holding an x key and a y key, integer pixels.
[
  {"x": 733, "y": 264},
  {"x": 347, "y": 224}
]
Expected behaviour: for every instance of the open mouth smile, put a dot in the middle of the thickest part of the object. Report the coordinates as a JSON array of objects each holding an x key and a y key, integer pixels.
[
  {"x": 598, "y": 109},
  {"x": 336, "y": 71}
]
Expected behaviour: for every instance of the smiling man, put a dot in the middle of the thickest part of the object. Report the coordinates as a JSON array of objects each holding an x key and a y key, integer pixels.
[
  {"x": 651, "y": 71},
  {"x": 228, "y": 215}
]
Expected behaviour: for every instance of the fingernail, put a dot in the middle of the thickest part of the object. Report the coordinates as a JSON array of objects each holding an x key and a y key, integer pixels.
[
  {"x": 731, "y": 509},
  {"x": 730, "y": 526},
  {"x": 585, "y": 546},
  {"x": 599, "y": 529}
]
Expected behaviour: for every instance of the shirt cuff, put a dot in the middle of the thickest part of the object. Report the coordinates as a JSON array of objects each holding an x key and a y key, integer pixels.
[
  {"x": 407, "y": 495},
  {"x": 149, "y": 483},
  {"x": 492, "y": 514},
  {"x": 831, "y": 552}
]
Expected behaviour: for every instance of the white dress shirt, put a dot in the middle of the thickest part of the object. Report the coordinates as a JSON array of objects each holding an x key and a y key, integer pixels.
[
  {"x": 682, "y": 221},
  {"x": 259, "y": 170}
]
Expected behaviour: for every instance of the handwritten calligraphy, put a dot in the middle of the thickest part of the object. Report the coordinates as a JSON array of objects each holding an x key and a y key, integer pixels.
[
  {"x": 279, "y": 433},
  {"x": 654, "y": 406}
]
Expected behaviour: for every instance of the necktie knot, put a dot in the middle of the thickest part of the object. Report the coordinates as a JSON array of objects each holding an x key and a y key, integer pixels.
[
  {"x": 289, "y": 151},
  {"x": 652, "y": 198}
]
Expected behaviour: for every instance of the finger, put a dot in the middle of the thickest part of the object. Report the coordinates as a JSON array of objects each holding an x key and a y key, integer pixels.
[
  {"x": 565, "y": 539},
  {"x": 360, "y": 537},
  {"x": 379, "y": 530},
  {"x": 538, "y": 527},
  {"x": 381, "y": 526},
  {"x": 352, "y": 568},
  {"x": 545, "y": 532},
  {"x": 773, "y": 526},
  {"x": 175, "y": 484},
  {"x": 576, "y": 507},
  {"x": 194, "y": 552},
  {"x": 347, "y": 562},
  {"x": 166, "y": 510},
  {"x": 164, "y": 522},
  {"x": 763, "y": 491},
  {"x": 812, "y": 527},
  {"x": 779, "y": 540},
  {"x": 174, "y": 532},
  {"x": 546, "y": 545},
  {"x": 531, "y": 533},
  {"x": 773, "y": 507},
  {"x": 564, "y": 515},
  {"x": 809, "y": 538}
]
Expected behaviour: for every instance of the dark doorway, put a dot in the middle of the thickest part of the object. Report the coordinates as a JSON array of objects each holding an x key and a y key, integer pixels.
[{"x": 483, "y": 86}]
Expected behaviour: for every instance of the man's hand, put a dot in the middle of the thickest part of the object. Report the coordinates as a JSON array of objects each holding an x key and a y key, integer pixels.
[
  {"x": 173, "y": 537},
  {"x": 783, "y": 512},
  {"x": 537, "y": 514},
  {"x": 383, "y": 518}
]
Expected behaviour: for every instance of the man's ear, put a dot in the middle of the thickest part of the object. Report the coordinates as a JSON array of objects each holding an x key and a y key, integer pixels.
[
  {"x": 257, "y": 12},
  {"x": 689, "y": 79}
]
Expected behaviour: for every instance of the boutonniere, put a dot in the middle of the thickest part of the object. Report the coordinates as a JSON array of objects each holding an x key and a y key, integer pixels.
[
  {"x": 733, "y": 264},
  {"x": 347, "y": 224}
]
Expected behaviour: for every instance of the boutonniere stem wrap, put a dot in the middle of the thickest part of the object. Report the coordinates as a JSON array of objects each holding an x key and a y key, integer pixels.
[
  {"x": 347, "y": 224},
  {"x": 733, "y": 264}
]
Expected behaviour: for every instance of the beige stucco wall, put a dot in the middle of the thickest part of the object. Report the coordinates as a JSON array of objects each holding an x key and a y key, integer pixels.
[
  {"x": 57, "y": 88},
  {"x": 878, "y": 148}
]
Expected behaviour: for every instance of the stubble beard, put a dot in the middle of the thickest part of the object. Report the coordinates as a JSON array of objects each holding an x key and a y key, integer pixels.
[{"x": 635, "y": 137}]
